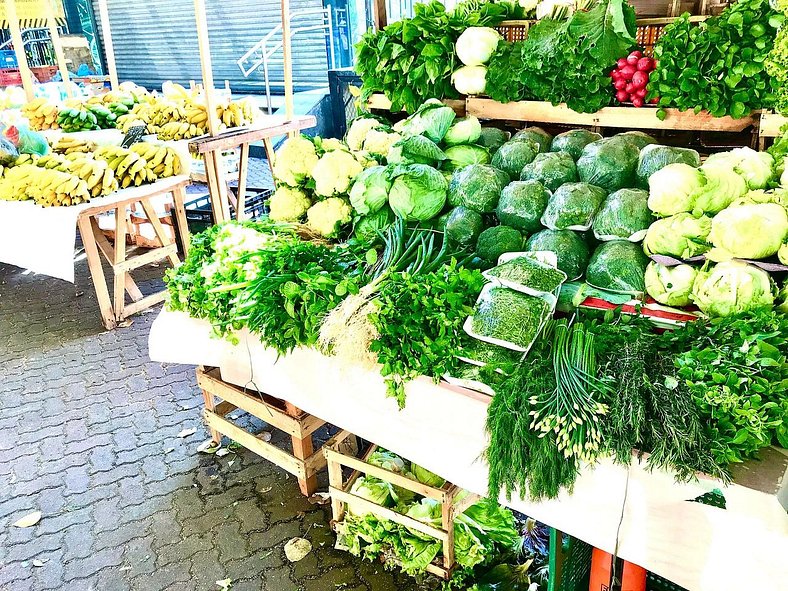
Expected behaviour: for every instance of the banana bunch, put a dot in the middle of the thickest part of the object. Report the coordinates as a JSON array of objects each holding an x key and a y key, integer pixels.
[
  {"x": 15, "y": 181},
  {"x": 119, "y": 109},
  {"x": 69, "y": 145},
  {"x": 41, "y": 114},
  {"x": 54, "y": 161},
  {"x": 27, "y": 159},
  {"x": 105, "y": 118},
  {"x": 162, "y": 161},
  {"x": 179, "y": 130},
  {"x": 97, "y": 174},
  {"x": 76, "y": 119},
  {"x": 197, "y": 114},
  {"x": 130, "y": 168},
  {"x": 53, "y": 187},
  {"x": 237, "y": 114}
]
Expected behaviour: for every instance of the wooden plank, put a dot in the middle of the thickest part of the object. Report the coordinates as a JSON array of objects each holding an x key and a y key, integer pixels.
[
  {"x": 106, "y": 249},
  {"x": 353, "y": 501},
  {"x": 118, "y": 258},
  {"x": 771, "y": 124},
  {"x": 109, "y": 48},
  {"x": 303, "y": 449},
  {"x": 263, "y": 411},
  {"x": 161, "y": 234},
  {"x": 620, "y": 117},
  {"x": 287, "y": 58},
  {"x": 379, "y": 16},
  {"x": 144, "y": 303},
  {"x": 96, "y": 271},
  {"x": 134, "y": 194},
  {"x": 392, "y": 477},
  {"x": 19, "y": 50},
  {"x": 447, "y": 523},
  {"x": 58, "y": 47},
  {"x": 264, "y": 449},
  {"x": 224, "y": 408},
  {"x": 151, "y": 256},
  {"x": 459, "y": 507},
  {"x": 243, "y": 172},
  {"x": 269, "y": 153},
  {"x": 204, "y": 45},
  {"x": 314, "y": 463},
  {"x": 268, "y": 128},
  {"x": 179, "y": 199}
]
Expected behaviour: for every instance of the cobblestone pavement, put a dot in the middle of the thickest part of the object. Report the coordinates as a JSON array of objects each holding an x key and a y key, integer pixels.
[{"x": 89, "y": 436}]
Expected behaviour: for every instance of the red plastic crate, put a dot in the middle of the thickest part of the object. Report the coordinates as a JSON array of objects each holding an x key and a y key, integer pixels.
[{"x": 10, "y": 77}]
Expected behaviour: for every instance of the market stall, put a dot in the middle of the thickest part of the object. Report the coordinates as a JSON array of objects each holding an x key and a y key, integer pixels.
[{"x": 484, "y": 299}]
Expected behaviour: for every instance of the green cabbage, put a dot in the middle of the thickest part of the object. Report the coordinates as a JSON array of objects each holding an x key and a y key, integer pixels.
[
  {"x": 753, "y": 231},
  {"x": 552, "y": 169},
  {"x": 415, "y": 149},
  {"x": 522, "y": 205},
  {"x": 672, "y": 189},
  {"x": 638, "y": 139},
  {"x": 426, "y": 477},
  {"x": 732, "y": 287},
  {"x": 370, "y": 191},
  {"x": 477, "y": 187},
  {"x": 572, "y": 142},
  {"x": 495, "y": 241},
  {"x": 493, "y": 138},
  {"x": 464, "y": 155},
  {"x": 432, "y": 119},
  {"x": 514, "y": 155},
  {"x": 721, "y": 188},
  {"x": 570, "y": 249},
  {"x": 466, "y": 130},
  {"x": 782, "y": 254},
  {"x": 536, "y": 134},
  {"x": 374, "y": 490},
  {"x": 367, "y": 227},
  {"x": 610, "y": 163},
  {"x": 463, "y": 225},
  {"x": 681, "y": 235},
  {"x": 671, "y": 286},
  {"x": 387, "y": 460},
  {"x": 476, "y": 45},
  {"x": 756, "y": 168},
  {"x": 618, "y": 266},
  {"x": 418, "y": 192},
  {"x": 573, "y": 206},
  {"x": 624, "y": 214},
  {"x": 655, "y": 157}
]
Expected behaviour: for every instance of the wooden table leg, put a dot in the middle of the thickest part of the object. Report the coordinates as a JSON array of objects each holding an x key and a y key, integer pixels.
[
  {"x": 302, "y": 449},
  {"x": 210, "y": 404},
  {"x": 107, "y": 251},
  {"x": 269, "y": 153},
  {"x": 243, "y": 168},
  {"x": 179, "y": 199},
  {"x": 96, "y": 272},
  {"x": 120, "y": 256},
  {"x": 161, "y": 234}
]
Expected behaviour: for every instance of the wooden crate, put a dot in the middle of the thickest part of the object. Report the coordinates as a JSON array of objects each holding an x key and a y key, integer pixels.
[
  {"x": 304, "y": 463},
  {"x": 342, "y": 499}
]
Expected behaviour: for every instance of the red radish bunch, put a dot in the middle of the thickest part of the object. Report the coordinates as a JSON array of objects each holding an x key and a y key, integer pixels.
[{"x": 631, "y": 77}]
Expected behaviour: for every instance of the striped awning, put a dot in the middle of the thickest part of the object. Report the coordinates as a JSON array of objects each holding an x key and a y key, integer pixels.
[{"x": 33, "y": 23}]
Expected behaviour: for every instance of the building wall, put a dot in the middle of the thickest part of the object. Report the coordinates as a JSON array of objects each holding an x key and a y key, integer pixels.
[{"x": 155, "y": 41}]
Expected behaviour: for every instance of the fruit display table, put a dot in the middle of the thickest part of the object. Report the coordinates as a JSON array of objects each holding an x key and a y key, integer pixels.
[
  {"x": 644, "y": 517},
  {"x": 42, "y": 240}
]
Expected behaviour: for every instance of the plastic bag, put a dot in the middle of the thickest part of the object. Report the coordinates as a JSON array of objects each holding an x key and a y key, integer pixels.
[
  {"x": 623, "y": 215},
  {"x": 573, "y": 141},
  {"x": 522, "y": 204},
  {"x": 618, "y": 266},
  {"x": 569, "y": 247},
  {"x": 573, "y": 206},
  {"x": 552, "y": 169},
  {"x": 27, "y": 141},
  {"x": 655, "y": 157}
]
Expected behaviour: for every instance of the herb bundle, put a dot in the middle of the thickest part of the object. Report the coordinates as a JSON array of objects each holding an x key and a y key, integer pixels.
[
  {"x": 419, "y": 322},
  {"x": 529, "y": 272},
  {"x": 510, "y": 317},
  {"x": 717, "y": 65},
  {"x": 565, "y": 61}
]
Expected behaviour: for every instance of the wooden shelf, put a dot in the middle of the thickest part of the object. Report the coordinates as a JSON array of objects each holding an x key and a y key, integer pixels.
[
  {"x": 621, "y": 117},
  {"x": 379, "y": 102}
]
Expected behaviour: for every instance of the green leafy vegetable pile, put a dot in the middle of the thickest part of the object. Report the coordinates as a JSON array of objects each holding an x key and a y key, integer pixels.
[
  {"x": 777, "y": 62},
  {"x": 718, "y": 64},
  {"x": 565, "y": 61},
  {"x": 412, "y": 60}
]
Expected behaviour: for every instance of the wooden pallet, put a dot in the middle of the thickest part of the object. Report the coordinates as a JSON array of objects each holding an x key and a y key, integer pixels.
[
  {"x": 342, "y": 499},
  {"x": 304, "y": 463}
]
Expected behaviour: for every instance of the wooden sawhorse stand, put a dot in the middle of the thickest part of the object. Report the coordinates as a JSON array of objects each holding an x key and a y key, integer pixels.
[
  {"x": 212, "y": 147},
  {"x": 115, "y": 312}
]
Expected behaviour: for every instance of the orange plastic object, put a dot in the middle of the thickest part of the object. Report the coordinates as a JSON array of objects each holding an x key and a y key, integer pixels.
[{"x": 633, "y": 577}]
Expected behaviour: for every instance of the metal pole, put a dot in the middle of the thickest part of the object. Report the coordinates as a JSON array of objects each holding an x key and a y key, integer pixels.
[
  {"x": 288, "y": 60},
  {"x": 109, "y": 48},
  {"x": 205, "y": 62}
]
